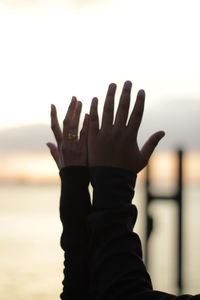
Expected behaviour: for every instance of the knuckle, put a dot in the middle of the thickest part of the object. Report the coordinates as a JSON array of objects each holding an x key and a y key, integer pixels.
[
  {"x": 93, "y": 118},
  {"x": 137, "y": 114},
  {"x": 53, "y": 126},
  {"x": 108, "y": 109},
  {"x": 125, "y": 106}
]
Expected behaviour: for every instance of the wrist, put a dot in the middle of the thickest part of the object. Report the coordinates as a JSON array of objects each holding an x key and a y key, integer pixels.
[
  {"x": 74, "y": 176},
  {"x": 75, "y": 199},
  {"x": 112, "y": 187}
]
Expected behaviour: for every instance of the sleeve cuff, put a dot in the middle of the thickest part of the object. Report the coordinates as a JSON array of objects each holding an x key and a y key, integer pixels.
[
  {"x": 75, "y": 199},
  {"x": 74, "y": 176},
  {"x": 112, "y": 187}
]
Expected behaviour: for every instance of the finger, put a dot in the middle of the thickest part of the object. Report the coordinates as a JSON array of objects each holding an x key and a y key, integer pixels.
[
  {"x": 137, "y": 113},
  {"x": 55, "y": 125},
  {"x": 73, "y": 126},
  {"x": 108, "y": 110},
  {"x": 54, "y": 153},
  {"x": 94, "y": 119},
  {"x": 84, "y": 130},
  {"x": 69, "y": 116},
  {"x": 151, "y": 144},
  {"x": 124, "y": 103}
]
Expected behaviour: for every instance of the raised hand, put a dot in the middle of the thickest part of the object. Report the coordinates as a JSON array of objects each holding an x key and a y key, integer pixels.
[
  {"x": 115, "y": 145},
  {"x": 70, "y": 150}
]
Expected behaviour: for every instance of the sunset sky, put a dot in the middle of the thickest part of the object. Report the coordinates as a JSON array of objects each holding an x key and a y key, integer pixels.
[{"x": 52, "y": 50}]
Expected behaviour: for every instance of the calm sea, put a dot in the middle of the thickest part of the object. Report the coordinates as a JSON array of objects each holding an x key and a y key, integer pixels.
[{"x": 31, "y": 260}]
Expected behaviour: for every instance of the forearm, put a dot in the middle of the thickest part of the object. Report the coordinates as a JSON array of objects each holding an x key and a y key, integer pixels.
[
  {"x": 75, "y": 205},
  {"x": 116, "y": 267},
  {"x": 116, "y": 264},
  {"x": 117, "y": 270}
]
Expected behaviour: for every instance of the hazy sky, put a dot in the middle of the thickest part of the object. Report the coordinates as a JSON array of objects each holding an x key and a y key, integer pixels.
[{"x": 51, "y": 50}]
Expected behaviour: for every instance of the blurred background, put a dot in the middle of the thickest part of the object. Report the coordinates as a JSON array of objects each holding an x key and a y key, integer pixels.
[{"x": 52, "y": 50}]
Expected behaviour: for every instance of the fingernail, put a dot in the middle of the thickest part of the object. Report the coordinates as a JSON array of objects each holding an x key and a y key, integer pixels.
[
  {"x": 128, "y": 84},
  {"x": 94, "y": 101},
  {"x": 52, "y": 110},
  {"x": 142, "y": 93},
  {"x": 112, "y": 85},
  {"x": 162, "y": 134}
]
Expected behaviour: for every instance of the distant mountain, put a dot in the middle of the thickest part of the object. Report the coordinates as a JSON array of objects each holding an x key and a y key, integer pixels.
[
  {"x": 180, "y": 121},
  {"x": 25, "y": 138}
]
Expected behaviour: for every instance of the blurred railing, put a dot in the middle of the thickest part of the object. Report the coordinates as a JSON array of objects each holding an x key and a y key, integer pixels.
[{"x": 177, "y": 197}]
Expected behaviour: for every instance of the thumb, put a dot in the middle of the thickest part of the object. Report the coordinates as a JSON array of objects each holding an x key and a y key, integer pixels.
[
  {"x": 54, "y": 153},
  {"x": 151, "y": 144}
]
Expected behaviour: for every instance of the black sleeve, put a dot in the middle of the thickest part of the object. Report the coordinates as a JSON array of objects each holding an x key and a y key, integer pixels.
[
  {"x": 75, "y": 205},
  {"x": 116, "y": 268}
]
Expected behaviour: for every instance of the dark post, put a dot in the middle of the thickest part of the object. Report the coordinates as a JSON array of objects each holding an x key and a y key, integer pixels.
[
  {"x": 180, "y": 215},
  {"x": 177, "y": 197}
]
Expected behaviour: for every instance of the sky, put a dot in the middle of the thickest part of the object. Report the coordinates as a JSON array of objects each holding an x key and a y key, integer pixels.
[{"x": 52, "y": 50}]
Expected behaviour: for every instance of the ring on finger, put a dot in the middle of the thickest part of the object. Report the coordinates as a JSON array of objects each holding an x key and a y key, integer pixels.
[{"x": 72, "y": 136}]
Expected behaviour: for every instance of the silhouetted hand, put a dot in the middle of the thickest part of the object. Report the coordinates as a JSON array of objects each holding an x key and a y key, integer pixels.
[
  {"x": 70, "y": 150},
  {"x": 116, "y": 145}
]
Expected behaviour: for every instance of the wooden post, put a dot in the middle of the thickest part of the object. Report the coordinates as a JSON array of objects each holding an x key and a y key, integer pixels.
[{"x": 177, "y": 197}]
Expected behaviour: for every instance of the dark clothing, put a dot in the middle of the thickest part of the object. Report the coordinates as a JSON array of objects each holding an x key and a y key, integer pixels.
[
  {"x": 74, "y": 206},
  {"x": 103, "y": 256}
]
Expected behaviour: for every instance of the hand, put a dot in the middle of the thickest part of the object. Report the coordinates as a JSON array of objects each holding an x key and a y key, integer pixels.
[
  {"x": 69, "y": 151},
  {"x": 116, "y": 145}
]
